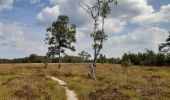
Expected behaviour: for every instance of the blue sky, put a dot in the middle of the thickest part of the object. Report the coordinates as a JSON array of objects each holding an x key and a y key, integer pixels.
[{"x": 133, "y": 25}]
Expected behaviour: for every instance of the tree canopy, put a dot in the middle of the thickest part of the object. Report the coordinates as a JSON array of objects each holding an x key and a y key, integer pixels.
[
  {"x": 165, "y": 47},
  {"x": 60, "y": 36}
]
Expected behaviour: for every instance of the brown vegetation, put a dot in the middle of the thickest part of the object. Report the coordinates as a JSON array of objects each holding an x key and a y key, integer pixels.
[
  {"x": 134, "y": 82},
  {"x": 110, "y": 93}
]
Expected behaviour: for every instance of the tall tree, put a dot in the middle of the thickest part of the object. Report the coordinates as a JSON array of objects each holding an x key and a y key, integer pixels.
[
  {"x": 84, "y": 55},
  {"x": 98, "y": 9},
  {"x": 60, "y": 36},
  {"x": 165, "y": 47}
]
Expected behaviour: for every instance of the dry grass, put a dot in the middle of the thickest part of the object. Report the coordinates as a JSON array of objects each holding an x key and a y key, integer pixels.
[
  {"x": 139, "y": 83},
  {"x": 24, "y": 82}
]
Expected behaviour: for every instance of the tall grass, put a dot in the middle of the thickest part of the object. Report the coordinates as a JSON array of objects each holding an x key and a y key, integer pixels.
[
  {"x": 140, "y": 83},
  {"x": 23, "y": 83}
]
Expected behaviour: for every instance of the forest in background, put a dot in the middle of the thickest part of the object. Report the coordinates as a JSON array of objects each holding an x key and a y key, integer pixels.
[{"x": 147, "y": 58}]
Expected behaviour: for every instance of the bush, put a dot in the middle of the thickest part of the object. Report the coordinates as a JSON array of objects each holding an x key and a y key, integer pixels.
[{"x": 126, "y": 63}]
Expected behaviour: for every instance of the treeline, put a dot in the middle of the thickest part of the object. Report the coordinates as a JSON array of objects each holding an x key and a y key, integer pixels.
[
  {"x": 33, "y": 58},
  {"x": 102, "y": 59},
  {"x": 148, "y": 58}
]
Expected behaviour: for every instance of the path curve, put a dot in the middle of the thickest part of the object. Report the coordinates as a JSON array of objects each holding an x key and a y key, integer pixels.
[{"x": 71, "y": 95}]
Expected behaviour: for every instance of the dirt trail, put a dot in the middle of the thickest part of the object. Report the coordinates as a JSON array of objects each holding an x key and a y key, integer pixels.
[{"x": 71, "y": 95}]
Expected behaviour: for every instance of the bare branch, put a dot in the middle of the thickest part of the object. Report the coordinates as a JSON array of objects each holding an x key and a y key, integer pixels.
[{"x": 86, "y": 7}]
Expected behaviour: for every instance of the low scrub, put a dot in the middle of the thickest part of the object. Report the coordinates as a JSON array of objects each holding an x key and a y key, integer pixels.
[{"x": 110, "y": 93}]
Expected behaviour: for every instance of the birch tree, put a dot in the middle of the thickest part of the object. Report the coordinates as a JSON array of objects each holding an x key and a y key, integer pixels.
[{"x": 98, "y": 9}]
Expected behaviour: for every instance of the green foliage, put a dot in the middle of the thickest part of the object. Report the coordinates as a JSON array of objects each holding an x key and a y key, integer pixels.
[
  {"x": 148, "y": 58},
  {"x": 168, "y": 59},
  {"x": 126, "y": 63},
  {"x": 60, "y": 36},
  {"x": 102, "y": 59},
  {"x": 100, "y": 8},
  {"x": 165, "y": 47},
  {"x": 34, "y": 58},
  {"x": 84, "y": 56},
  {"x": 113, "y": 60},
  {"x": 161, "y": 60},
  {"x": 71, "y": 59}
]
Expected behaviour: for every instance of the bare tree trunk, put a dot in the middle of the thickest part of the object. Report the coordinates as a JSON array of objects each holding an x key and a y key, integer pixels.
[
  {"x": 92, "y": 68},
  {"x": 59, "y": 61},
  {"x": 91, "y": 71},
  {"x": 102, "y": 24},
  {"x": 96, "y": 52},
  {"x": 46, "y": 61},
  {"x": 46, "y": 65},
  {"x": 59, "y": 64}
]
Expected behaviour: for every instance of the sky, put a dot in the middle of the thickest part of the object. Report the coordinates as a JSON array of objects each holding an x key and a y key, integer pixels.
[{"x": 133, "y": 25}]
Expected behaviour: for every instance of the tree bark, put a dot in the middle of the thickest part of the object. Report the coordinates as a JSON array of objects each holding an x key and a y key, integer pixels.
[
  {"x": 59, "y": 61},
  {"x": 46, "y": 61},
  {"x": 102, "y": 24},
  {"x": 92, "y": 69},
  {"x": 46, "y": 65}
]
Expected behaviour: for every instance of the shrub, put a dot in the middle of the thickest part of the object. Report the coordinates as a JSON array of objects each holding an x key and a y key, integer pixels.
[{"x": 126, "y": 63}]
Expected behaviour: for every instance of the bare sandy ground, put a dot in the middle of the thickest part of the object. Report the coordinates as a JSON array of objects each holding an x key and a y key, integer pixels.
[{"x": 71, "y": 95}]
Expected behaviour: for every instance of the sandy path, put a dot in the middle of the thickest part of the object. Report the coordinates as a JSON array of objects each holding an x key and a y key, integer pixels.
[{"x": 71, "y": 95}]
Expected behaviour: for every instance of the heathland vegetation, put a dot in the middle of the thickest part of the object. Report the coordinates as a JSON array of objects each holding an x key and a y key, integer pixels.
[
  {"x": 134, "y": 76},
  {"x": 113, "y": 82}
]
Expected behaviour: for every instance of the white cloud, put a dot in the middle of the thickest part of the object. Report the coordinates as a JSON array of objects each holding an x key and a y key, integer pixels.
[
  {"x": 6, "y": 4},
  {"x": 163, "y": 15},
  {"x": 114, "y": 25},
  {"x": 136, "y": 41},
  {"x": 125, "y": 13},
  {"x": 70, "y": 8},
  {"x": 14, "y": 38},
  {"x": 35, "y": 1},
  {"x": 57, "y": 1},
  {"x": 48, "y": 15},
  {"x": 128, "y": 9},
  {"x": 1, "y": 34}
]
